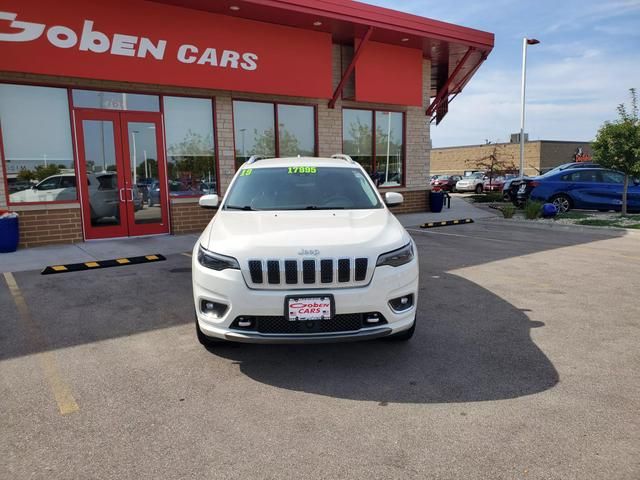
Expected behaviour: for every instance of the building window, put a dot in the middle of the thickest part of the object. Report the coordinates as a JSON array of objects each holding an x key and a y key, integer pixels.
[
  {"x": 357, "y": 128},
  {"x": 389, "y": 147},
  {"x": 375, "y": 139},
  {"x": 190, "y": 146},
  {"x": 36, "y": 136},
  {"x": 296, "y": 131},
  {"x": 115, "y": 101},
  {"x": 255, "y": 130}
]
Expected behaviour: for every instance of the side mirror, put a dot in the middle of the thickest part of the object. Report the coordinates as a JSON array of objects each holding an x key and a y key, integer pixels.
[
  {"x": 208, "y": 201},
  {"x": 393, "y": 198}
]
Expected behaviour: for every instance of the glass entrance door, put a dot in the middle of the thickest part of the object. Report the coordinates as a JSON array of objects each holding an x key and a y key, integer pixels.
[{"x": 122, "y": 158}]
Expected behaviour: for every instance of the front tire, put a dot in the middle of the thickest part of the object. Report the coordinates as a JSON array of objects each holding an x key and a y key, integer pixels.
[
  {"x": 562, "y": 203},
  {"x": 478, "y": 189},
  {"x": 403, "y": 336}
]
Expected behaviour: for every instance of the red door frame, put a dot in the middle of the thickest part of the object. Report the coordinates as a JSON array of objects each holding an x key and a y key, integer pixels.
[
  {"x": 136, "y": 229},
  {"x": 127, "y": 226}
]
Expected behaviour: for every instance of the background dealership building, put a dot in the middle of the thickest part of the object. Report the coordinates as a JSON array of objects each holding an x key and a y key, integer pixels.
[
  {"x": 129, "y": 110},
  {"x": 539, "y": 156}
]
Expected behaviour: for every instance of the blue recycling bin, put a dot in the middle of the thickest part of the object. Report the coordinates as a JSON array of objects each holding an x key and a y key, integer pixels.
[
  {"x": 9, "y": 234},
  {"x": 436, "y": 201}
]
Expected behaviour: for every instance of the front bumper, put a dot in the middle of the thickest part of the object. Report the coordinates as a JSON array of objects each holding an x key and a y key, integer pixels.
[
  {"x": 465, "y": 188},
  {"x": 228, "y": 287}
]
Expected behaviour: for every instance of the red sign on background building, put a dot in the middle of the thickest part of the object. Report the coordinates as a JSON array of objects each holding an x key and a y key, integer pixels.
[{"x": 152, "y": 43}]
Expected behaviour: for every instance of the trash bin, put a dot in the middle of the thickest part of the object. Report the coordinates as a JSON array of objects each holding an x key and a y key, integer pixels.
[
  {"x": 436, "y": 201},
  {"x": 9, "y": 232}
]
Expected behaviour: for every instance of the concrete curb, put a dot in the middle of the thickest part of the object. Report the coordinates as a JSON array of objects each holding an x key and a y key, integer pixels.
[{"x": 611, "y": 231}]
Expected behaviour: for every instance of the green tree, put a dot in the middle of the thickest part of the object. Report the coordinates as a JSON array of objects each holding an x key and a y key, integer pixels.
[
  {"x": 43, "y": 172},
  {"x": 497, "y": 162},
  {"x": 617, "y": 144},
  {"x": 26, "y": 175},
  {"x": 191, "y": 159}
]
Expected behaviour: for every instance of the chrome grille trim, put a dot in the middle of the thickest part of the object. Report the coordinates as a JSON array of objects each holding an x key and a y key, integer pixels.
[{"x": 278, "y": 274}]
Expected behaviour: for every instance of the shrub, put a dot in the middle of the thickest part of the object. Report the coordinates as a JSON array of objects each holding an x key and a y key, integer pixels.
[
  {"x": 508, "y": 210},
  {"x": 532, "y": 210}
]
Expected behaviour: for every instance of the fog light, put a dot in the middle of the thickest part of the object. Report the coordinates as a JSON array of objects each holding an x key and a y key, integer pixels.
[
  {"x": 373, "y": 318},
  {"x": 214, "y": 309},
  {"x": 400, "y": 304},
  {"x": 244, "y": 322}
]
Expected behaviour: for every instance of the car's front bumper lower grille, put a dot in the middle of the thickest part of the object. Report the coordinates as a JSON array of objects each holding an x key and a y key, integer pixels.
[{"x": 348, "y": 322}]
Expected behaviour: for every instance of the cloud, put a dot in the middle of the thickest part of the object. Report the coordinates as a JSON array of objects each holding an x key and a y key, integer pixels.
[
  {"x": 582, "y": 70},
  {"x": 596, "y": 13},
  {"x": 567, "y": 99}
]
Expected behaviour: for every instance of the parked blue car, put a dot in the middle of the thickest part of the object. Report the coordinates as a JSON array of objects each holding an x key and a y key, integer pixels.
[{"x": 583, "y": 188}]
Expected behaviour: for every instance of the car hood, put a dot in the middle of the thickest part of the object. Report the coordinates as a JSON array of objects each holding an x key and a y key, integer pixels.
[{"x": 325, "y": 233}]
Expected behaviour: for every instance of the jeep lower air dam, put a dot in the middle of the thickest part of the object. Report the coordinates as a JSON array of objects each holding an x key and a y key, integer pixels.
[{"x": 304, "y": 250}]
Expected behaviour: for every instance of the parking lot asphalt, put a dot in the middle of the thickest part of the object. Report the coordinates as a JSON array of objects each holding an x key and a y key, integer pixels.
[{"x": 524, "y": 365}]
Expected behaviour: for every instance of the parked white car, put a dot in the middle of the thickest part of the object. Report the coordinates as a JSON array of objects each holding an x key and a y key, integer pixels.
[
  {"x": 59, "y": 187},
  {"x": 103, "y": 193},
  {"x": 471, "y": 183},
  {"x": 304, "y": 250}
]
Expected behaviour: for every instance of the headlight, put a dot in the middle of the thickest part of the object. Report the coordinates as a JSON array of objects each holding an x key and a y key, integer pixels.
[
  {"x": 398, "y": 257},
  {"x": 216, "y": 261}
]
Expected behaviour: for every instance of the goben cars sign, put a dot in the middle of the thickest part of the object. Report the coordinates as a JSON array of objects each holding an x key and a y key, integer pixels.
[{"x": 145, "y": 42}]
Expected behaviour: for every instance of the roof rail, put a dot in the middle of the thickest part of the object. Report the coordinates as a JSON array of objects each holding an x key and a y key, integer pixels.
[
  {"x": 255, "y": 158},
  {"x": 342, "y": 156}
]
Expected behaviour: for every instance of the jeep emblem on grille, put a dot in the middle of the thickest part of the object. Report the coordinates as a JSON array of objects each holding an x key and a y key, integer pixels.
[{"x": 304, "y": 251}]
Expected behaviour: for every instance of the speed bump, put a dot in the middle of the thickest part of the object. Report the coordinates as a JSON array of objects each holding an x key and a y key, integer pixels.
[
  {"x": 95, "y": 265},
  {"x": 445, "y": 223}
]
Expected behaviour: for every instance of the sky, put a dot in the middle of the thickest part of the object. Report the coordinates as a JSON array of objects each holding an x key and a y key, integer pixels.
[{"x": 588, "y": 58}]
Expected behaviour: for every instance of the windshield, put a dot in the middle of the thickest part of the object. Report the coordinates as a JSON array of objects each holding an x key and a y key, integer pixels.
[{"x": 301, "y": 188}]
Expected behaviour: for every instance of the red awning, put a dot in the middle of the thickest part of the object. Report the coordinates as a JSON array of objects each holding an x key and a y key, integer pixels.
[{"x": 455, "y": 51}]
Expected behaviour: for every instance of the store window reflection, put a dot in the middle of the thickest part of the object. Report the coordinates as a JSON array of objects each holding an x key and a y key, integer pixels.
[
  {"x": 36, "y": 135},
  {"x": 357, "y": 128},
  {"x": 389, "y": 148},
  {"x": 190, "y": 147},
  {"x": 296, "y": 132},
  {"x": 253, "y": 124},
  {"x": 375, "y": 140},
  {"x": 256, "y": 131}
]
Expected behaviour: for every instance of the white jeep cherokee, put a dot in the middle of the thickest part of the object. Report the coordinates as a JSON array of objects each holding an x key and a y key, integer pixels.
[{"x": 304, "y": 250}]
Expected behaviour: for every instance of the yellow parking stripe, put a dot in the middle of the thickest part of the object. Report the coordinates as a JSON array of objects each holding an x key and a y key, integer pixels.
[
  {"x": 151, "y": 257},
  {"x": 122, "y": 261},
  {"x": 59, "y": 268},
  {"x": 61, "y": 391},
  {"x": 92, "y": 264}
]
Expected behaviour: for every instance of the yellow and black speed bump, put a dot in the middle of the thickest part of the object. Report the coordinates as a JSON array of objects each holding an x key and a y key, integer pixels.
[
  {"x": 446, "y": 223},
  {"x": 116, "y": 262}
]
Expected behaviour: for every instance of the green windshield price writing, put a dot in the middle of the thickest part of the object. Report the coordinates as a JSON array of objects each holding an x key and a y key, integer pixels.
[
  {"x": 246, "y": 172},
  {"x": 294, "y": 170}
]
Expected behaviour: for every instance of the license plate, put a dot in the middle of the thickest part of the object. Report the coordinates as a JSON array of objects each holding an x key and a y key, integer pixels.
[
  {"x": 522, "y": 188},
  {"x": 309, "y": 308}
]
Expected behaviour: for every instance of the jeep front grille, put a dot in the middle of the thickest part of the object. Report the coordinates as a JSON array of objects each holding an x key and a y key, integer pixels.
[{"x": 308, "y": 273}]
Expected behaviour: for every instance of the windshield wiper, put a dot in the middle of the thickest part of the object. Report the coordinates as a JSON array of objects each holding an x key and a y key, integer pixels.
[
  {"x": 315, "y": 207},
  {"x": 247, "y": 208}
]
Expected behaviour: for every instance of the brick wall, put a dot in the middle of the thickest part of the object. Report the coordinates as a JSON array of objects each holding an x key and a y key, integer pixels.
[
  {"x": 455, "y": 160},
  {"x": 414, "y": 201},
  {"x": 49, "y": 226},
  {"x": 189, "y": 217}
]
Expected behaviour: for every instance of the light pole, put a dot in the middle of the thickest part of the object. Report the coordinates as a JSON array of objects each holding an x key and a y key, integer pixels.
[
  {"x": 243, "y": 151},
  {"x": 134, "y": 158},
  {"x": 525, "y": 41},
  {"x": 386, "y": 170}
]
